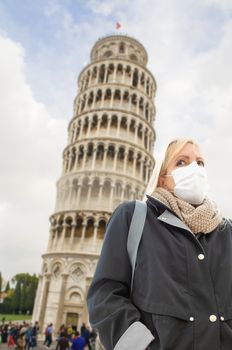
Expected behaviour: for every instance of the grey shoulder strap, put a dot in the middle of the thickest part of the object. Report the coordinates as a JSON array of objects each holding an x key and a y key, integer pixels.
[{"x": 135, "y": 233}]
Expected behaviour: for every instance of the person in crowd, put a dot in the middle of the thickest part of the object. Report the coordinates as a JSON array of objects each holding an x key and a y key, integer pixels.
[
  {"x": 180, "y": 297},
  {"x": 20, "y": 343},
  {"x": 63, "y": 342},
  {"x": 48, "y": 336},
  {"x": 11, "y": 337},
  {"x": 78, "y": 342}
]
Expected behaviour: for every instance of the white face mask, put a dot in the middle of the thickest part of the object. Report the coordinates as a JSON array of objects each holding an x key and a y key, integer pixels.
[{"x": 191, "y": 183}]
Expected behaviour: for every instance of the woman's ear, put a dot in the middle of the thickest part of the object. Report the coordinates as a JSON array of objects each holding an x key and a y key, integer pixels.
[{"x": 161, "y": 181}]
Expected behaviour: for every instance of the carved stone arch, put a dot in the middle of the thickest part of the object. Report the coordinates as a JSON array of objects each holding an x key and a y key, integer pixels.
[
  {"x": 134, "y": 99},
  {"x": 107, "y": 95},
  {"x": 111, "y": 151},
  {"x": 90, "y": 148},
  {"x": 133, "y": 57},
  {"x": 127, "y": 191},
  {"x": 135, "y": 79},
  {"x": 80, "y": 154},
  {"x": 77, "y": 271},
  {"x": 128, "y": 71},
  {"x": 130, "y": 158},
  {"x": 121, "y": 153},
  {"x": 101, "y": 73},
  {"x": 85, "y": 124},
  {"x": 121, "y": 47},
  {"x": 104, "y": 121},
  {"x": 117, "y": 95},
  {"x": 126, "y": 96},
  {"x": 57, "y": 268},
  {"x": 98, "y": 96},
  {"x": 75, "y": 294},
  {"x": 132, "y": 125},
  {"x": 123, "y": 123},
  {"x": 148, "y": 86},
  {"x": 78, "y": 226},
  {"x": 90, "y": 99},
  {"x": 120, "y": 69},
  {"x": 118, "y": 189},
  {"x": 100, "y": 151},
  {"x": 95, "y": 187},
  {"x": 114, "y": 121},
  {"x": 101, "y": 228},
  {"x": 89, "y": 227},
  {"x": 94, "y": 72},
  {"x": 94, "y": 122}
]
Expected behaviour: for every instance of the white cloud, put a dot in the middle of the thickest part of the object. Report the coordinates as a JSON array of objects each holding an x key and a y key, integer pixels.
[{"x": 30, "y": 157}]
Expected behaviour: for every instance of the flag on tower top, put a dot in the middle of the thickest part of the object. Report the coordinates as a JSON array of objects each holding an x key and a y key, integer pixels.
[{"x": 118, "y": 25}]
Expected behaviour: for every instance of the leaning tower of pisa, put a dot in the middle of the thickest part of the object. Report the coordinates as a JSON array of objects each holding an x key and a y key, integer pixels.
[{"x": 108, "y": 159}]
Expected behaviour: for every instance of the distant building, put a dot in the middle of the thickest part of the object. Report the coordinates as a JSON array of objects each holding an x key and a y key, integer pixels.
[{"x": 108, "y": 159}]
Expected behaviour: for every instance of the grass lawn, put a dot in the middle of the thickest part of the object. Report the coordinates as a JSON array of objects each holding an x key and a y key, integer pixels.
[{"x": 15, "y": 317}]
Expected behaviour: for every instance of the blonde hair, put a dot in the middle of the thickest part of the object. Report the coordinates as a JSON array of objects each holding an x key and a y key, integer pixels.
[{"x": 172, "y": 149}]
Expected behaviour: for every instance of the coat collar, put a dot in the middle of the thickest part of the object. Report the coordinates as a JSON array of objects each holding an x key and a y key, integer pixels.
[{"x": 166, "y": 215}]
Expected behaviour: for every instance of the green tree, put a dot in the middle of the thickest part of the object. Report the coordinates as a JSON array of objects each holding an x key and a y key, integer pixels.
[{"x": 7, "y": 287}]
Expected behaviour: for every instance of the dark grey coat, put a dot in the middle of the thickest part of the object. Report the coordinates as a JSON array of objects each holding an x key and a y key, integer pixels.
[{"x": 182, "y": 292}]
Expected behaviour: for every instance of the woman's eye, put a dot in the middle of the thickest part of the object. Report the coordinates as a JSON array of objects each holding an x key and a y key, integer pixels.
[
  {"x": 181, "y": 162},
  {"x": 201, "y": 163}
]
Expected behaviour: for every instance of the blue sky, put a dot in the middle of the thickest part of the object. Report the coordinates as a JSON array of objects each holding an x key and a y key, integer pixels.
[{"x": 44, "y": 44}]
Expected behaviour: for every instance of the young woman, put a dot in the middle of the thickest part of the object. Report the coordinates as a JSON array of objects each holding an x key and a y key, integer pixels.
[{"x": 182, "y": 288}]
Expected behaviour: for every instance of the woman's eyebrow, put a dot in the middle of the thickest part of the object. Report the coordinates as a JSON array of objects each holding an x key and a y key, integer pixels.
[{"x": 184, "y": 156}]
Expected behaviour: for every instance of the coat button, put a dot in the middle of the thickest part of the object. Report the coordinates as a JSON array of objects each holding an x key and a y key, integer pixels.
[
  {"x": 222, "y": 318},
  {"x": 191, "y": 318},
  {"x": 201, "y": 257},
  {"x": 213, "y": 318}
]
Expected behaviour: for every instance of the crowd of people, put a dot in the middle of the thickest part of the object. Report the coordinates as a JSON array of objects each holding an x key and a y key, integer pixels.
[
  {"x": 24, "y": 337},
  {"x": 70, "y": 338},
  {"x": 21, "y": 336}
]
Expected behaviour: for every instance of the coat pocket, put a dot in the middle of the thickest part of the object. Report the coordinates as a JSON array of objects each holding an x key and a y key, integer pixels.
[{"x": 173, "y": 332}]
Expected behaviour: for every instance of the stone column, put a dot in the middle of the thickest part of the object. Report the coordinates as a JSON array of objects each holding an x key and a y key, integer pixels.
[
  {"x": 50, "y": 241},
  {"x": 125, "y": 161},
  {"x": 95, "y": 234},
  {"x": 111, "y": 195},
  {"x": 98, "y": 125},
  {"x": 100, "y": 192},
  {"x": 59, "y": 316},
  {"x": 89, "y": 127},
  {"x": 84, "y": 225},
  {"x": 115, "y": 158},
  {"x": 108, "y": 125},
  {"x": 84, "y": 157},
  {"x": 47, "y": 279},
  {"x": 94, "y": 158},
  {"x": 118, "y": 126},
  {"x": 65, "y": 226},
  {"x": 104, "y": 158},
  {"x": 72, "y": 235},
  {"x": 37, "y": 298},
  {"x": 136, "y": 133},
  {"x": 134, "y": 165}
]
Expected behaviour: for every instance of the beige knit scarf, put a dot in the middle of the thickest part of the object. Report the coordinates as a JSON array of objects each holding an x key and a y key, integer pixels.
[{"x": 203, "y": 218}]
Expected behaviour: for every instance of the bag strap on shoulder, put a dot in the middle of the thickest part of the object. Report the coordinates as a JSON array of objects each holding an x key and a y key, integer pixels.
[{"x": 135, "y": 234}]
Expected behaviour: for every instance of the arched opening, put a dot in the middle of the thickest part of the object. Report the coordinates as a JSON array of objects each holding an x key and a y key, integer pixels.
[
  {"x": 78, "y": 228},
  {"x": 89, "y": 228},
  {"x": 101, "y": 229},
  {"x": 95, "y": 188}
]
